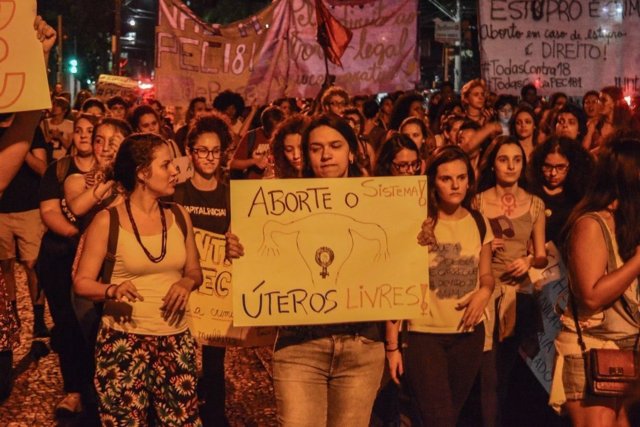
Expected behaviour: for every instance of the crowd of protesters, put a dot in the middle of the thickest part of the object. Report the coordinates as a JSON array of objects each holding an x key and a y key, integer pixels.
[{"x": 104, "y": 230}]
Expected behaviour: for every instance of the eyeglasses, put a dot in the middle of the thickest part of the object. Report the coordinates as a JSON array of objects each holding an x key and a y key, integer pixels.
[
  {"x": 406, "y": 166},
  {"x": 561, "y": 168},
  {"x": 203, "y": 153}
]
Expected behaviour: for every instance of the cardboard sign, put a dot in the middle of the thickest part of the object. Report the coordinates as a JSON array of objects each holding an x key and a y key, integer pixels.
[
  {"x": 551, "y": 288},
  {"x": 185, "y": 168},
  {"x": 23, "y": 75},
  {"x": 569, "y": 46},
  {"x": 109, "y": 86},
  {"x": 321, "y": 251},
  {"x": 210, "y": 312},
  {"x": 447, "y": 32}
]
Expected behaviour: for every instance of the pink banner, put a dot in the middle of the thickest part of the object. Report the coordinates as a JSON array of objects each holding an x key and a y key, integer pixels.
[{"x": 275, "y": 53}]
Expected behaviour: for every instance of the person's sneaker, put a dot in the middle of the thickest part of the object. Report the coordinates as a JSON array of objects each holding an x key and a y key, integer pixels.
[{"x": 70, "y": 405}]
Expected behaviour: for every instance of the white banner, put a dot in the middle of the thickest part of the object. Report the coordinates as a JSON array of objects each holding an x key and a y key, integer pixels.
[{"x": 570, "y": 46}]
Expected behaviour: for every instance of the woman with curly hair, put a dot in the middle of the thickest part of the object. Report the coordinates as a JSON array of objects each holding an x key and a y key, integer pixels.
[
  {"x": 286, "y": 147},
  {"x": 559, "y": 169},
  {"x": 408, "y": 105},
  {"x": 144, "y": 352}
]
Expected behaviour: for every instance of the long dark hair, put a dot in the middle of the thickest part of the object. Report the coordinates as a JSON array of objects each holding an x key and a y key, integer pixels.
[
  {"x": 580, "y": 167},
  {"x": 442, "y": 155},
  {"x": 621, "y": 111},
  {"x": 341, "y": 126},
  {"x": 615, "y": 179},
  {"x": 392, "y": 146},
  {"x": 401, "y": 108},
  {"x": 534, "y": 117},
  {"x": 295, "y": 124},
  {"x": 487, "y": 174}
]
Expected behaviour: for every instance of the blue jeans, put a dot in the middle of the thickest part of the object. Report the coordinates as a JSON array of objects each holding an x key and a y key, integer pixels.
[{"x": 329, "y": 381}]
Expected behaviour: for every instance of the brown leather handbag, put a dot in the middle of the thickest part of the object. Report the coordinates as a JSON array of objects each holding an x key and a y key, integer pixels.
[{"x": 609, "y": 372}]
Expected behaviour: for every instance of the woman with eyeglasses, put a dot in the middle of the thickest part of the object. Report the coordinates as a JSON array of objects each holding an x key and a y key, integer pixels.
[
  {"x": 206, "y": 197},
  {"x": 416, "y": 129},
  {"x": 399, "y": 156},
  {"x": 558, "y": 171},
  {"x": 517, "y": 219}
]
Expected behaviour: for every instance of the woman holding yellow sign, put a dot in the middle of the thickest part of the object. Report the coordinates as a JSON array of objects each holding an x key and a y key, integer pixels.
[{"x": 326, "y": 374}]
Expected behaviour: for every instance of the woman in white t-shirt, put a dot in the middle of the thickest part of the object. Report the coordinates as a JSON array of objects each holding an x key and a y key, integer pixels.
[{"x": 445, "y": 344}]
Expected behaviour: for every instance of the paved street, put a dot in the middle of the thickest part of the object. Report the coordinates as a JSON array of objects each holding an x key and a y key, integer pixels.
[{"x": 38, "y": 385}]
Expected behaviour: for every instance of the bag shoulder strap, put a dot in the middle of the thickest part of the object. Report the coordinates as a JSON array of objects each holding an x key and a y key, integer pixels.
[
  {"x": 480, "y": 222},
  {"x": 611, "y": 262},
  {"x": 179, "y": 217},
  {"x": 251, "y": 142},
  {"x": 112, "y": 245}
]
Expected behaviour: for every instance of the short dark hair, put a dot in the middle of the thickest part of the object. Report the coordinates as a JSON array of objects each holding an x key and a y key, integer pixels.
[
  {"x": 140, "y": 111},
  {"x": 340, "y": 125},
  {"x": 93, "y": 102},
  {"x": 270, "y": 118},
  {"x": 227, "y": 98},
  {"x": 117, "y": 100},
  {"x": 210, "y": 123},
  {"x": 370, "y": 108}
]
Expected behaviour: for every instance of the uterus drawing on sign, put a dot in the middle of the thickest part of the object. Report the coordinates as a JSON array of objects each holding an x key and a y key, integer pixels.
[{"x": 324, "y": 254}]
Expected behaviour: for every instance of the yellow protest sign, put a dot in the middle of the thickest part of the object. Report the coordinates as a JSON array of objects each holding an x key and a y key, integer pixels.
[
  {"x": 210, "y": 313},
  {"x": 321, "y": 251},
  {"x": 23, "y": 77}
]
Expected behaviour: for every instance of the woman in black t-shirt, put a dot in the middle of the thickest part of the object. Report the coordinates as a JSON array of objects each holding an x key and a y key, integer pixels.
[{"x": 206, "y": 197}]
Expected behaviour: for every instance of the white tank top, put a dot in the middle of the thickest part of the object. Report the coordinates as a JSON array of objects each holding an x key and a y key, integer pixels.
[{"x": 152, "y": 280}]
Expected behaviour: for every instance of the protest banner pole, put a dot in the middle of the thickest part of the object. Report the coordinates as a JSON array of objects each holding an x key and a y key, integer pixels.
[
  {"x": 59, "y": 75},
  {"x": 115, "y": 42}
]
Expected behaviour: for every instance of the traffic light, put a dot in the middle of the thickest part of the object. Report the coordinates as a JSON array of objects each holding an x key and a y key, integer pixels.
[{"x": 73, "y": 66}]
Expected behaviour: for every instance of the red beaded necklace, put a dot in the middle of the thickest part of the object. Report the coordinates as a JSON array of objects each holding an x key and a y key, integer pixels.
[{"x": 163, "y": 251}]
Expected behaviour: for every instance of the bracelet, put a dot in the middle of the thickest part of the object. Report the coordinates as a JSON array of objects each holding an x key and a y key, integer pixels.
[
  {"x": 106, "y": 292},
  {"x": 391, "y": 350}
]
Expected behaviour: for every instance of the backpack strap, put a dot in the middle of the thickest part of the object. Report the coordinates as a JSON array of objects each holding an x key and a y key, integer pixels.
[
  {"x": 62, "y": 167},
  {"x": 251, "y": 142},
  {"x": 179, "y": 217},
  {"x": 480, "y": 222},
  {"x": 112, "y": 244}
]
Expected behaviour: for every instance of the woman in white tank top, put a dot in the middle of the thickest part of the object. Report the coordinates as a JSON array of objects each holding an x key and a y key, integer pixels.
[{"x": 144, "y": 352}]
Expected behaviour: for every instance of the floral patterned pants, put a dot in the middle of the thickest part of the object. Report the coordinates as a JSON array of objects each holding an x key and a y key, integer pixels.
[{"x": 135, "y": 371}]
